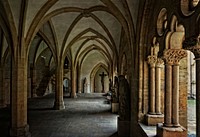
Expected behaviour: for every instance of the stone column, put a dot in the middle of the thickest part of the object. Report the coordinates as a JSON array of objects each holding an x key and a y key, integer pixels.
[
  {"x": 2, "y": 91},
  {"x": 172, "y": 57},
  {"x": 154, "y": 115},
  {"x": 59, "y": 103},
  {"x": 19, "y": 126},
  {"x": 152, "y": 61},
  {"x": 193, "y": 44},
  {"x": 158, "y": 84},
  {"x": 168, "y": 94},
  {"x": 33, "y": 82},
  {"x": 73, "y": 93},
  {"x": 175, "y": 95}
]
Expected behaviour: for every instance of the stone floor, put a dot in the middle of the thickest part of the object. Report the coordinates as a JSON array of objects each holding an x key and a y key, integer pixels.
[
  {"x": 89, "y": 115},
  {"x": 86, "y": 116}
]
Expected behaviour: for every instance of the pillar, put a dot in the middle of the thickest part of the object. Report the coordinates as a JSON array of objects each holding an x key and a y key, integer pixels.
[
  {"x": 73, "y": 92},
  {"x": 171, "y": 126},
  {"x": 59, "y": 103},
  {"x": 152, "y": 62},
  {"x": 158, "y": 86},
  {"x": 168, "y": 94},
  {"x": 33, "y": 82},
  {"x": 2, "y": 91},
  {"x": 175, "y": 97},
  {"x": 154, "y": 115},
  {"x": 19, "y": 126}
]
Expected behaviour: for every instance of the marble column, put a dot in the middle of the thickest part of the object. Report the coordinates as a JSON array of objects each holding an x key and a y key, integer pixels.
[
  {"x": 193, "y": 45},
  {"x": 59, "y": 103},
  {"x": 2, "y": 91},
  {"x": 19, "y": 126},
  {"x": 152, "y": 61},
  {"x": 158, "y": 84},
  {"x": 33, "y": 82}
]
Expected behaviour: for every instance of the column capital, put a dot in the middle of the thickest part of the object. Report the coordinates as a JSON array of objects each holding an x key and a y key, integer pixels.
[
  {"x": 193, "y": 45},
  {"x": 159, "y": 62},
  {"x": 173, "y": 56},
  {"x": 152, "y": 59}
]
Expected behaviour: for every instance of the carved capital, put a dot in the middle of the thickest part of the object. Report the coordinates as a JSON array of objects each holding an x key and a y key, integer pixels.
[
  {"x": 159, "y": 62},
  {"x": 152, "y": 60},
  {"x": 173, "y": 56}
]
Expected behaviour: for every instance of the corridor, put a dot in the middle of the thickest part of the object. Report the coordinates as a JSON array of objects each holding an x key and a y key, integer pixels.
[{"x": 86, "y": 116}]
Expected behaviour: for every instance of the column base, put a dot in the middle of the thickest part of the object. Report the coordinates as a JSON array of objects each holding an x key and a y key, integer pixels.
[
  {"x": 170, "y": 131},
  {"x": 115, "y": 107},
  {"x": 20, "y": 132},
  {"x": 73, "y": 95},
  {"x": 59, "y": 105},
  {"x": 153, "y": 120},
  {"x": 123, "y": 128}
]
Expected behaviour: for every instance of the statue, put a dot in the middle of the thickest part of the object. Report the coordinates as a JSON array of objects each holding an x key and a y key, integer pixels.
[
  {"x": 102, "y": 81},
  {"x": 124, "y": 99}
]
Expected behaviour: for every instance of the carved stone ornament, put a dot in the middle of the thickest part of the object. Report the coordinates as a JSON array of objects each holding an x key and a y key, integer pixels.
[
  {"x": 173, "y": 56},
  {"x": 152, "y": 60},
  {"x": 159, "y": 62}
]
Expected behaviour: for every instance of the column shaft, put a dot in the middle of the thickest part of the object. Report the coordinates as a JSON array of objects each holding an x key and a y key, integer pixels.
[
  {"x": 158, "y": 83},
  {"x": 59, "y": 103},
  {"x": 168, "y": 96},
  {"x": 73, "y": 93},
  {"x": 152, "y": 90},
  {"x": 19, "y": 126},
  {"x": 198, "y": 97},
  {"x": 175, "y": 97}
]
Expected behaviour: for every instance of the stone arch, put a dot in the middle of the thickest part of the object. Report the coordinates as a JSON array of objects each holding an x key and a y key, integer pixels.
[{"x": 93, "y": 73}]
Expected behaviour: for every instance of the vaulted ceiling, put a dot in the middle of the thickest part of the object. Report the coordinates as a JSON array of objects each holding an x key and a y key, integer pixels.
[{"x": 79, "y": 29}]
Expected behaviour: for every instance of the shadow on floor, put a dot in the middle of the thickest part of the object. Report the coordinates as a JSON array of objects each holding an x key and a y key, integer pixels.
[{"x": 114, "y": 135}]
